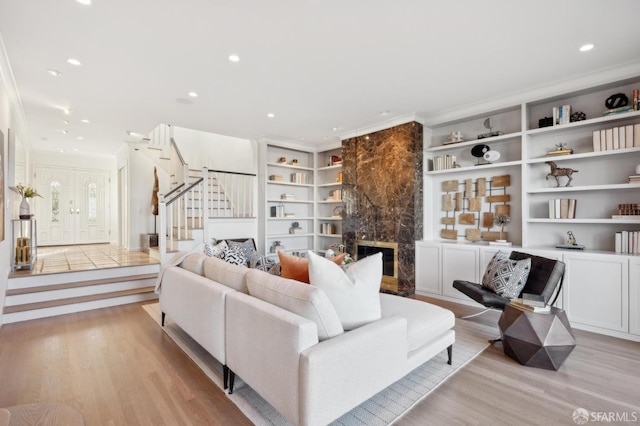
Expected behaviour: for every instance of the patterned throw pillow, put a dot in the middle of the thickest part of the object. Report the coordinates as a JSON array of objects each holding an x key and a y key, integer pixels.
[
  {"x": 234, "y": 256},
  {"x": 245, "y": 246},
  {"x": 217, "y": 250},
  {"x": 506, "y": 277},
  {"x": 260, "y": 262}
]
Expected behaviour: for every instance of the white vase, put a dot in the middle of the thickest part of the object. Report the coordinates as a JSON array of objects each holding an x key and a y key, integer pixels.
[{"x": 25, "y": 209}]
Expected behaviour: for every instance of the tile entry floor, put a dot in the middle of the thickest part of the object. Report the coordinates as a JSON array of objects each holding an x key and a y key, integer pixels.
[{"x": 56, "y": 259}]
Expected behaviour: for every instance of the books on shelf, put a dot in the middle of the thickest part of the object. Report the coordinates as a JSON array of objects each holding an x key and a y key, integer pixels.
[
  {"x": 288, "y": 197},
  {"x": 634, "y": 179},
  {"x": 444, "y": 162},
  {"x": 562, "y": 208},
  {"x": 628, "y": 209},
  {"x": 621, "y": 137},
  {"x": 276, "y": 178},
  {"x": 627, "y": 242},
  {"x": 518, "y": 303},
  {"x": 299, "y": 178},
  {"x": 562, "y": 114},
  {"x": 619, "y": 110}
]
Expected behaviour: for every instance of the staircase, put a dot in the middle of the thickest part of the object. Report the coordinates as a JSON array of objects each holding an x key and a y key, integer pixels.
[
  {"x": 196, "y": 197},
  {"x": 39, "y": 296}
]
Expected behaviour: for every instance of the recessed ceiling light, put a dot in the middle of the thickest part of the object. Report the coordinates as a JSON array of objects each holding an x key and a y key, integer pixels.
[
  {"x": 271, "y": 115},
  {"x": 66, "y": 121},
  {"x": 193, "y": 94},
  {"x": 85, "y": 120},
  {"x": 62, "y": 151},
  {"x": 67, "y": 111},
  {"x": 85, "y": 2},
  {"x": 75, "y": 150},
  {"x": 74, "y": 62},
  {"x": 53, "y": 72},
  {"x": 234, "y": 58},
  {"x": 586, "y": 47},
  {"x": 335, "y": 129},
  {"x": 65, "y": 132},
  {"x": 80, "y": 138}
]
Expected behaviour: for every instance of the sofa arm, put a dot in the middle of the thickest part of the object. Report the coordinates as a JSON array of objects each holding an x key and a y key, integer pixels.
[
  {"x": 197, "y": 305},
  {"x": 264, "y": 343},
  {"x": 338, "y": 374}
]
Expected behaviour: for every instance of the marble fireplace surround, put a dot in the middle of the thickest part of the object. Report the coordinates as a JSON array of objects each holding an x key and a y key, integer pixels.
[{"x": 382, "y": 194}]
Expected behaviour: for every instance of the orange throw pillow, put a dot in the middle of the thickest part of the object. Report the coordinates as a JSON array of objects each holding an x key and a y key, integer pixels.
[{"x": 297, "y": 268}]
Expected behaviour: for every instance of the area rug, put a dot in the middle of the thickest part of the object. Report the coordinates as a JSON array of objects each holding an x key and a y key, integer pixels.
[{"x": 382, "y": 409}]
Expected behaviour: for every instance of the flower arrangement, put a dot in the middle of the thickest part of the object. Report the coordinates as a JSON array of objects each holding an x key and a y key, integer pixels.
[{"x": 26, "y": 191}]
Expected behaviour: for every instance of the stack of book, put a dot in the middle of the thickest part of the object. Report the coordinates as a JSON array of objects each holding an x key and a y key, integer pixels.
[
  {"x": 627, "y": 242},
  {"x": 277, "y": 178},
  {"x": 520, "y": 304},
  {"x": 619, "y": 110},
  {"x": 288, "y": 197},
  {"x": 327, "y": 228},
  {"x": 299, "y": 178},
  {"x": 562, "y": 208},
  {"x": 634, "y": 179},
  {"x": 562, "y": 114},
  {"x": 444, "y": 162},
  {"x": 621, "y": 137}
]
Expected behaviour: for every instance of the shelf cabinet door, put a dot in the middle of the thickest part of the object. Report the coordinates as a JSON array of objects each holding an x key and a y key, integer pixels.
[
  {"x": 458, "y": 263},
  {"x": 634, "y": 296},
  {"x": 428, "y": 273},
  {"x": 597, "y": 291}
]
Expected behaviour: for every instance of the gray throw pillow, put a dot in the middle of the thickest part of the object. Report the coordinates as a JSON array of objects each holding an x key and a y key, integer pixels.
[{"x": 506, "y": 277}]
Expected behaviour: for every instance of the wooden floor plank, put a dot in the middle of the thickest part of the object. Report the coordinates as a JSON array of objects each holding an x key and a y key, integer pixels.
[{"x": 117, "y": 367}]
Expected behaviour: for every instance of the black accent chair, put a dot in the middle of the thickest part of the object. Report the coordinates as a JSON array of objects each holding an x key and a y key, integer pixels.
[{"x": 544, "y": 276}]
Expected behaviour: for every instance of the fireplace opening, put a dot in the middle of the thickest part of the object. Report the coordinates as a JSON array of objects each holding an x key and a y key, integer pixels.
[{"x": 389, "y": 260}]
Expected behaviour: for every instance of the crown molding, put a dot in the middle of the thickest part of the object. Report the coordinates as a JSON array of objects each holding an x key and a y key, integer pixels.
[
  {"x": 573, "y": 84},
  {"x": 387, "y": 124},
  {"x": 18, "y": 118}
]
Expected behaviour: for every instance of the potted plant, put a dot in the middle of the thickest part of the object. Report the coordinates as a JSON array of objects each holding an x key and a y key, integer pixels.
[{"x": 26, "y": 192}]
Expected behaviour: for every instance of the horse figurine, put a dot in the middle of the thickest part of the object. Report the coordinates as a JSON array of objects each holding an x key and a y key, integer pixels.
[{"x": 560, "y": 171}]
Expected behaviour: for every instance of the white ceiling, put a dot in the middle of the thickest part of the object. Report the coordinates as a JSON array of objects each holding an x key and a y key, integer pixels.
[{"x": 315, "y": 64}]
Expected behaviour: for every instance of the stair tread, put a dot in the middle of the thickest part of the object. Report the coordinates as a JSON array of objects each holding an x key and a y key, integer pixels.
[
  {"x": 78, "y": 299},
  {"x": 87, "y": 283}
]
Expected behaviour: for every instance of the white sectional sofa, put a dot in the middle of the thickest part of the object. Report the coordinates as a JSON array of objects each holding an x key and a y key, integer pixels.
[{"x": 279, "y": 336}]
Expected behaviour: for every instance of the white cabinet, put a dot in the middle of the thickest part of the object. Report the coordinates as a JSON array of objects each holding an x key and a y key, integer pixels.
[
  {"x": 597, "y": 291},
  {"x": 459, "y": 262},
  {"x": 328, "y": 226},
  {"x": 428, "y": 268},
  {"x": 634, "y": 296}
]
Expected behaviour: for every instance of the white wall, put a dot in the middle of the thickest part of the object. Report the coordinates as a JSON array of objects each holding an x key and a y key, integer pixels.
[{"x": 217, "y": 152}]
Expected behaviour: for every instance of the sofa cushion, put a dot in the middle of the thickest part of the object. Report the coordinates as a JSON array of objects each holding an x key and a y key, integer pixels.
[
  {"x": 296, "y": 297},
  {"x": 194, "y": 263},
  {"x": 247, "y": 247},
  {"x": 425, "y": 321},
  {"x": 233, "y": 276},
  {"x": 355, "y": 293},
  {"x": 297, "y": 268},
  {"x": 506, "y": 277}
]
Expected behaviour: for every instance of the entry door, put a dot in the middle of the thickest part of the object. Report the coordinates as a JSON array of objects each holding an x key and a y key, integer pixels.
[{"x": 74, "y": 208}]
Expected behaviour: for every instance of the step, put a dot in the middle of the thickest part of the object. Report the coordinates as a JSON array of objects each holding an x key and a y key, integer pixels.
[
  {"x": 9, "y": 309},
  {"x": 87, "y": 283},
  {"x": 87, "y": 305}
]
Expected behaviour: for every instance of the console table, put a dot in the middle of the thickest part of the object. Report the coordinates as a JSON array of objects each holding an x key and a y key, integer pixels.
[
  {"x": 536, "y": 339},
  {"x": 23, "y": 236}
]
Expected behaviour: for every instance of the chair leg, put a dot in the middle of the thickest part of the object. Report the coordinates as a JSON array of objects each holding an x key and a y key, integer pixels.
[
  {"x": 449, "y": 354},
  {"x": 498, "y": 339},
  {"x": 232, "y": 378},
  {"x": 225, "y": 376},
  {"x": 163, "y": 315}
]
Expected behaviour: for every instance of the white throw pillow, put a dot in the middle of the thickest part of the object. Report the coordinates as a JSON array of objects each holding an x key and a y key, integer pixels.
[{"x": 354, "y": 293}]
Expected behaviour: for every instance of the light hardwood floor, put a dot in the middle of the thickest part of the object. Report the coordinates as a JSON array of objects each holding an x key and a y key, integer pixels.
[{"x": 117, "y": 367}]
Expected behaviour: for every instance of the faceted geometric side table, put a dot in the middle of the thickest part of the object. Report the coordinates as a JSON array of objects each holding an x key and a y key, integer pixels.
[{"x": 536, "y": 339}]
